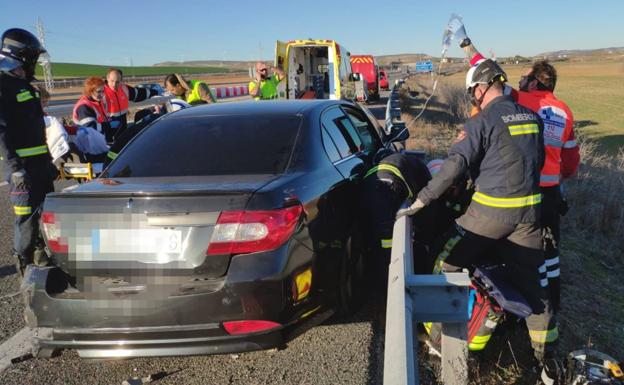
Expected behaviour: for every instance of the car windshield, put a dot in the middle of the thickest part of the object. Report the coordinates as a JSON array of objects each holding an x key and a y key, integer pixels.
[{"x": 209, "y": 145}]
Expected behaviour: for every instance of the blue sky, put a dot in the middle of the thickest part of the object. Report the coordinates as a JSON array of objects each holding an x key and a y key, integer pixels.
[{"x": 142, "y": 32}]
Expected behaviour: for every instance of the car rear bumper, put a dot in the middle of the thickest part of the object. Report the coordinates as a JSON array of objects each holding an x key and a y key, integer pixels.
[{"x": 136, "y": 324}]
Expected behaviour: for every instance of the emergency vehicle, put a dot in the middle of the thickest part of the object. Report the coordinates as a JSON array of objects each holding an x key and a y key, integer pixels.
[
  {"x": 315, "y": 69},
  {"x": 365, "y": 65}
]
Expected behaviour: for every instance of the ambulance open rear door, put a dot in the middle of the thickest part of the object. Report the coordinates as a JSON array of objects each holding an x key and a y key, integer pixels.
[{"x": 281, "y": 56}]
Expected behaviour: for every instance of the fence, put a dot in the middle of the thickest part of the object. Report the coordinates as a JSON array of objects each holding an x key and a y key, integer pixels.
[{"x": 421, "y": 298}]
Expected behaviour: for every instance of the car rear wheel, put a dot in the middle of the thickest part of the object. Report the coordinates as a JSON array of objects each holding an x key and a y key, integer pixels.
[{"x": 352, "y": 277}]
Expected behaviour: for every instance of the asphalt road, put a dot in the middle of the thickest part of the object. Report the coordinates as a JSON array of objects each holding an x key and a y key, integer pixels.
[{"x": 340, "y": 351}]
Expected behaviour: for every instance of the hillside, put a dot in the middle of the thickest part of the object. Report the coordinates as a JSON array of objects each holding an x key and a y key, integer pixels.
[{"x": 61, "y": 70}]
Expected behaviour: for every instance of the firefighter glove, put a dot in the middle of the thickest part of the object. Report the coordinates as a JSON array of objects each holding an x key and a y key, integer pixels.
[{"x": 413, "y": 209}]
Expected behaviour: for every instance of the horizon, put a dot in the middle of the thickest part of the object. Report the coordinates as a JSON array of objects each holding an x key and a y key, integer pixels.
[{"x": 145, "y": 33}]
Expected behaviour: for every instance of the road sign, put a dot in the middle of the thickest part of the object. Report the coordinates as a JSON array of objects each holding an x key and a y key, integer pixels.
[{"x": 424, "y": 66}]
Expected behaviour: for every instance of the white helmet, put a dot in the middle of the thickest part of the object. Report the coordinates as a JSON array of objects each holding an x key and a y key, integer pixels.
[
  {"x": 485, "y": 72},
  {"x": 178, "y": 104}
]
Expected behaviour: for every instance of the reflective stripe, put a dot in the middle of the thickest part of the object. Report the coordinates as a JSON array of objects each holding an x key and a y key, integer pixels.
[
  {"x": 479, "y": 342},
  {"x": 553, "y": 274},
  {"x": 570, "y": 144},
  {"x": 523, "y": 129},
  {"x": 112, "y": 155},
  {"x": 427, "y": 326},
  {"x": 544, "y": 336},
  {"x": 553, "y": 142},
  {"x": 24, "y": 96},
  {"x": 525, "y": 201},
  {"x": 552, "y": 261},
  {"x": 84, "y": 121},
  {"x": 31, "y": 151},
  {"x": 392, "y": 169},
  {"x": 544, "y": 282},
  {"x": 448, "y": 247},
  {"x": 22, "y": 210},
  {"x": 542, "y": 269},
  {"x": 545, "y": 178},
  {"x": 386, "y": 243}
]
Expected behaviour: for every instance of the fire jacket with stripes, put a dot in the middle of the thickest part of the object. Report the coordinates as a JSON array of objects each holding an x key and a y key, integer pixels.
[
  {"x": 89, "y": 113},
  {"x": 503, "y": 150},
  {"x": 22, "y": 129},
  {"x": 117, "y": 102},
  {"x": 562, "y": 152}
]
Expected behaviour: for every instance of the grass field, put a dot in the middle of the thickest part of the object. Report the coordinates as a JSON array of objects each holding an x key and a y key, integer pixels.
[
  {"x": 594, "y": 91},
  {"x": 592, "y": 244},
  {"x": 65, "y": 70}
]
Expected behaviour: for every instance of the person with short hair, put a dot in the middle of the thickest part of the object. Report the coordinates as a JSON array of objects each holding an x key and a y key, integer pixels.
[
  {"x": 117, "y": 95},
  {"x": 90, "y": 109},
  {"x": 191, "y": 91},
  {"x": 264, "y": 86}
]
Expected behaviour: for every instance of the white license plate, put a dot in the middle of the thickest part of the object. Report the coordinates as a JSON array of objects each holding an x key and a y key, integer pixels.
[{"x": 141, "y": 241}]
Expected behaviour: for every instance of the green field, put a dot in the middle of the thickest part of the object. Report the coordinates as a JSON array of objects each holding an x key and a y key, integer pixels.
[{"x": 65, "y": 70}]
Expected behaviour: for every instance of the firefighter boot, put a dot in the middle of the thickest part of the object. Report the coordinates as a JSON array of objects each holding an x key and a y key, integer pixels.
[{"x": 20, "y": 263}]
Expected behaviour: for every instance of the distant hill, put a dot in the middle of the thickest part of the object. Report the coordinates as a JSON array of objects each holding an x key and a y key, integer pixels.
[
  {"x": 385, "y": 60},
  {"x": 233, "y": 65},
  {"x": 584, "y": 52}
]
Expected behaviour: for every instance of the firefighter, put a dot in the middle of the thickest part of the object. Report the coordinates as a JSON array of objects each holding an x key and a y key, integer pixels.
[
  {"x": 386, "y": 186},
  {"x": 118, "y": 95},
  {"x": 23, "y": 148},
  {"x": 535, "y": 92},
  {"x": 191, "y": 91},
  {"x": 503, "y": 150},
  {"x": 264, "y": 86}
]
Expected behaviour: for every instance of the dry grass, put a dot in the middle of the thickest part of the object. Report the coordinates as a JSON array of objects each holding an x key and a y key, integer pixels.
[{"x": 592, "y": 256}]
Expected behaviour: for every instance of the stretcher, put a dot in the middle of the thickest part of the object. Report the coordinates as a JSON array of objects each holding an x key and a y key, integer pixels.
[{"x": 81, "y": 171}]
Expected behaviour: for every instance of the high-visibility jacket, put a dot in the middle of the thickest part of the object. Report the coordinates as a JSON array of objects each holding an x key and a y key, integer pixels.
[
  {"x": 194, "y": 94},
  {"x": 562, "y": 152},
  {"x": 22, "y": 128},
  {"x": 268, "y": 87},
  {"x": 503, "y": 149},
  {"x": 408, "y": 172},
  {"x": 116, "y": 100},
  {"x": 89, "y": 113}
]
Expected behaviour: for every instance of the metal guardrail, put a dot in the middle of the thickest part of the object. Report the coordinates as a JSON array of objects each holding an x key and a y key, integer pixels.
[
  {"x": 423, "y": 298},
  {"x": 67, "y": 109},
  {"x": 393, "y": 108}
]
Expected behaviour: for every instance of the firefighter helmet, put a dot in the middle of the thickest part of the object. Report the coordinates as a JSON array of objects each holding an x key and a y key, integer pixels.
[
  {"x": 486, "y": 72},
  {"x": 20, "y": 48}
]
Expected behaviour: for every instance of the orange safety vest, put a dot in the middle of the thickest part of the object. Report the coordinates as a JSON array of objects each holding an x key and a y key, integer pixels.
[
  {"x": 116, "y": 100},
  {"x": 558, "y": 130},
  {"x": 100, "y": 112}
]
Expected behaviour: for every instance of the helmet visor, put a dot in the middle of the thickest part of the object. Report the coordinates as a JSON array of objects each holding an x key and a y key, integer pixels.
[{"x": 8, "y": 63}]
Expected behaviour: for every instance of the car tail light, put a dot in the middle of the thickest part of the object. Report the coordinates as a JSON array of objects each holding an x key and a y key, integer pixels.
[
  {"x": 248, "y": 326},
  {"x": 239, "y": 232},
  {"x": 52, "y": 231}
]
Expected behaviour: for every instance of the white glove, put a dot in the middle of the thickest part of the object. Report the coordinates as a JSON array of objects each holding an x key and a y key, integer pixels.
[{"x": 413, "y": 209}]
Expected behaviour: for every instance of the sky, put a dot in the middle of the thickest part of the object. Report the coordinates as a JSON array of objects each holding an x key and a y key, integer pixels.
[{"x": 141, "y": 32}]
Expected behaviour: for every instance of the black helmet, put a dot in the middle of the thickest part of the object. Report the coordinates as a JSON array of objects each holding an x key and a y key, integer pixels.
[
  {"x": 485, "y": 72},
  {"x": 20, "y": 48}
]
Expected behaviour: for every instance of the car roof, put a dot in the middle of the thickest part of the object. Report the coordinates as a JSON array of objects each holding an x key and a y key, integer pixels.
[{"x": 279, "y": 107}]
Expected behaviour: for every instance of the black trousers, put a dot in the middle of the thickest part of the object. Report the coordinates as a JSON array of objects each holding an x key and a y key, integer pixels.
[
  {"x": 551, "y": 204},
  {"x": 474, "y": 240},
  {"x": 27, "y": 203}
]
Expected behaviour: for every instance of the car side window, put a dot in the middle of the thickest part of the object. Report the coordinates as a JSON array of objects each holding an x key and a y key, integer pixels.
[
  {"x": 330, "y": 146},
  {"x": 364, "y": 129},
  {"x": 330, "y": 120}
]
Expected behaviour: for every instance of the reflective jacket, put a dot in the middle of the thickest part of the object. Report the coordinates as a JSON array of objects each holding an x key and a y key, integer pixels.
[
  {"x": 562, "y": 152},
  {"x": 117, "y": 102},
  {"x": 503, "y": 149},
  {"x": 409, "y": 174},
  {"x": 89, "y": 113},
  {"x": 22, "y": 128},
  {"x": 194, "y": 95}
]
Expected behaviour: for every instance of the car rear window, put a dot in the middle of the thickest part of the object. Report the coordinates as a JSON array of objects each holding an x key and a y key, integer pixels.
[{"x": 210, "y": 145}]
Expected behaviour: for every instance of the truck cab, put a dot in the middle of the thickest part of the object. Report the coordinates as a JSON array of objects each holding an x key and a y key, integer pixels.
[{"x": 315, "y": 69}]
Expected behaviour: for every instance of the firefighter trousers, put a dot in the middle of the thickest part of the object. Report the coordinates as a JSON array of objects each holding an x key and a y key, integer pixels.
[
  {"x": 27, "y": 201},
  {"x": 474, "y": 239},
  {"x": 551, "y": 204}
]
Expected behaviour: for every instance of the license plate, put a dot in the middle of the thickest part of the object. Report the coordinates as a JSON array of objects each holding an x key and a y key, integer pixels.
[{"x": 137, "y": 241}]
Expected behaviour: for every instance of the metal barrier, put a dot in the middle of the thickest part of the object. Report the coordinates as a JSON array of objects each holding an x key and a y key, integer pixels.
[
  {"x": 423, "y": 298},
  {"x": 393, "y": 108},
  {"x": 67, "y": 109}
]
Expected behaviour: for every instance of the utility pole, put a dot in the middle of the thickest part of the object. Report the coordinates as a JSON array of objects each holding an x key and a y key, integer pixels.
[{"x": 45, "y": 58}]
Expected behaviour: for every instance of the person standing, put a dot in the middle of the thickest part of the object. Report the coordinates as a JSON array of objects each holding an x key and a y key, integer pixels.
[
  {"x": 191, "y": 91},
  {"x": 23, "y": 148},
  {"x": 503, "y": 150},
  {"x": 117, "y": 95},
  {"x": 264, "y": 86},
  {"x": 536, "y": 92}
]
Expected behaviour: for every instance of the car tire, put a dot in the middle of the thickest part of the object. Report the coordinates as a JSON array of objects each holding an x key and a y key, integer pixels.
[{"x": 352, "y": 277}]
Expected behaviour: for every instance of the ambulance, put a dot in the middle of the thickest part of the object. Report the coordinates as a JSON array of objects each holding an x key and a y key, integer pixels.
[{"x": 315, "y": 69}]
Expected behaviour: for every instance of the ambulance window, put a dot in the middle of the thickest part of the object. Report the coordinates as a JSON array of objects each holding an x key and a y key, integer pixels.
[{"x": 331, "y": 121}]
